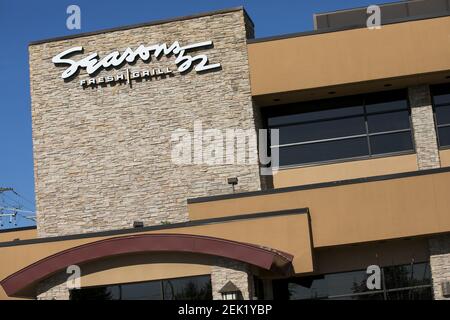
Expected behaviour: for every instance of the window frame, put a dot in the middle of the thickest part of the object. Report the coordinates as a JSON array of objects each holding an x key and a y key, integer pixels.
[{"x": 367, "y": 134}]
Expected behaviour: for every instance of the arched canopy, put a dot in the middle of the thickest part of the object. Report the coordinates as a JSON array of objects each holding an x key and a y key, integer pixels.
[{"x": 264, "y": 258}]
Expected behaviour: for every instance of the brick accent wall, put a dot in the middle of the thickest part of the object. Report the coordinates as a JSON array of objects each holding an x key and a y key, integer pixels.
[{"x": 103, "y": 155}]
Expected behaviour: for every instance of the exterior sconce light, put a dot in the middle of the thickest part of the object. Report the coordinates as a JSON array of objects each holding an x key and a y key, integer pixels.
[
  {"x": 138, "y": 224},
  {"x": 233, "y": 182},
  {"x": 446, "y": 289},
  {"x": 230, "y": 292}
]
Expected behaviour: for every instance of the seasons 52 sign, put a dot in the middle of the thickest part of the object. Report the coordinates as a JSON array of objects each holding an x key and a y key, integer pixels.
[{"x": 93, "y": 64}]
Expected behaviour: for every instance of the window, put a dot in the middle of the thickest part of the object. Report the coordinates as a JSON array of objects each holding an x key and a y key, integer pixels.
[
  {"x": 344, "y": 128},
  {"x": 192, "y": 288},
  {"x": 406, "y": 282},
  {"x": 441, "y": 104}
]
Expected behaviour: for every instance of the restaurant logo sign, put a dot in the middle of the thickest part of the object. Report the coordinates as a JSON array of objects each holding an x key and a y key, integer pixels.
[{"x": 93, "y": 64}]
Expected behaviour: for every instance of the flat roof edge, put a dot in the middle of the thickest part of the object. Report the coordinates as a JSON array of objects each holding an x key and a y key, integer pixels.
[
  {"x": 144, "y": 24},
  {"x": 346, "y": 28}
]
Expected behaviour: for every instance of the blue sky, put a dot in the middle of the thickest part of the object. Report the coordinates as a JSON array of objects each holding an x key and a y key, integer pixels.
[{"x": 24, "y": 21}]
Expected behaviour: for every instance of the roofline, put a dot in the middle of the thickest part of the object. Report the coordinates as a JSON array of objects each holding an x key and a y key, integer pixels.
[
  {"x": 346, "y": 28},
  {"x": 144, "y": 24}
]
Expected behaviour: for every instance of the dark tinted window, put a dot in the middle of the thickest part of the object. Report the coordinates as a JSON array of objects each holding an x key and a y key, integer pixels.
[
  {"x": 142, "y": 291},
  {"x": 99, "y": 293},
  {"x": 386, "y": 101},
  {"x": 441, "y": 94},
  {"x": 388, "y": 121},
  {"x": 443, "y": 114},
  {"x": 407, "y": 276},
  {"x": 441, "y": 102},
  {"x": 322, "y": 130},
  {"x": 412, "y": 282},
  {"x": 319, "y": 110},
  {"x": 344, "y": 128},
  {"x": 323, "y": 151},
  {"x": 444, "y": 136},
  {"x": 198, "y": 288},
  {"x": 390, "y": 143},
  {"x": 191, "y": 288}
]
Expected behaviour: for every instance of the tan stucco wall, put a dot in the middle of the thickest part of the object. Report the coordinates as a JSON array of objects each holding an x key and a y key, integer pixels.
[
  {"x": 345, "y": 171},
  {"x": 20, "y": 234},
  {"x": 359, "y": 55},
  {"x": 144, "y": 267},
  {"x": 445, "y": 158},
  {"x": 355, "y": 213}
]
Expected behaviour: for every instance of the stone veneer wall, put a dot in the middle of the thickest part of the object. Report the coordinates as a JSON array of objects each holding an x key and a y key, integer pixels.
[
  {"x": 423, "y": 127},
  {"x": 103, "y": 156},
  {"x": 428, "y": 158},
  {"x": 440, "y": 263},
  {"x": 236, "y": 272},
  {"x": 54, "y": 288}
]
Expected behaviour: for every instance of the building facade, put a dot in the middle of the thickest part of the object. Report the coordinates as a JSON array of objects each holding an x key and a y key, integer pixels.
[{"x": 150, "y": 146}]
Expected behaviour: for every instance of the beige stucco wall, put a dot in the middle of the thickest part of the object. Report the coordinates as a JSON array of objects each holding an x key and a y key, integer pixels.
[
  {"x": 354, "y": 213},
  {"x": 344, "y": 171},
  {"x": 351, "y": 56},
  {"x": 17, "y": 234},
  {"x": 445, "y": 158}
]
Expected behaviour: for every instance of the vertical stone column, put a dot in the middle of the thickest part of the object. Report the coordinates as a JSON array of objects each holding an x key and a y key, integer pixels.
[
  {"x": 428, "y": 158},
  {"x": 238, "y": 273},
  {"x": 440, "y": 264},
  {"x": 54, "y": 288},
  {"x": 424, "y": 128}
]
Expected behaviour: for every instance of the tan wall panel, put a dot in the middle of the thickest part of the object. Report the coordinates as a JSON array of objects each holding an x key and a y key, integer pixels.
[
  {"x": 142, "y": 267},
  {"x": 345, "y": 171},
  {"x": 445, "y": 158},
  {"x": 21, "y": 234},
  {"x": 355, "y": 213},
  {"x": 358, "y": 55}
]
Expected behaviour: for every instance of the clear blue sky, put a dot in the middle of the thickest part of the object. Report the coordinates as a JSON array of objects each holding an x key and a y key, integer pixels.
[{"x": 24, "y": 21}]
